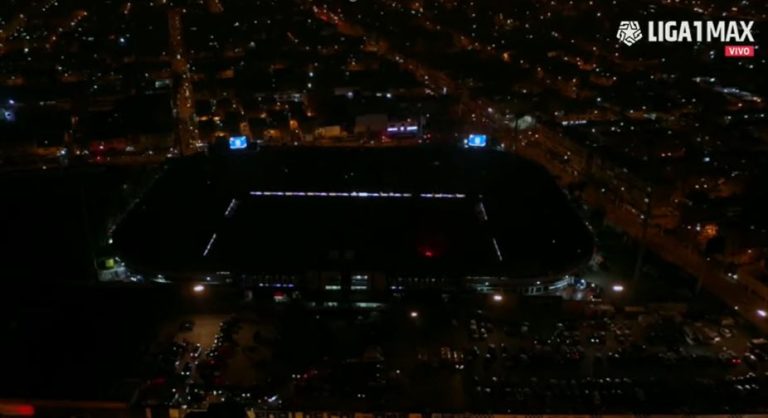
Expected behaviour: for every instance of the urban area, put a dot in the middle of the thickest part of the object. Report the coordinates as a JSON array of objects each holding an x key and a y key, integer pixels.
[{"x": 382, "y": 208}]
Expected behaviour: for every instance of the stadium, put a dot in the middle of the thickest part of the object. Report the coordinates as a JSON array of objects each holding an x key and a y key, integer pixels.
[{"x": 357, "y": 221}]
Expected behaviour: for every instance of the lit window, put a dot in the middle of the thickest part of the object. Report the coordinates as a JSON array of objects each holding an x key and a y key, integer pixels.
[{"x": 359, "y": 282}]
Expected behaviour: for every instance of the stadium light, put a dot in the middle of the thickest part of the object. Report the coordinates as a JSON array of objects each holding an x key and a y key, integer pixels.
[
  {"x": 238, "y": 142},
  {"x": 476, "y": 141}
]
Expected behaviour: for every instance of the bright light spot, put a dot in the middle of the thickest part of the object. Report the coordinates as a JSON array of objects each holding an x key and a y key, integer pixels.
[
  {"x": 761, "y": 313},
  {"x": 238, "y": 142},
  {"x": 476, "y": 141},
  {"x": 498, "y": 298},
  {"x": 618, "y": 288},
  {"x": 198, "y": 288},
  {"x": 414, "y": 314}
]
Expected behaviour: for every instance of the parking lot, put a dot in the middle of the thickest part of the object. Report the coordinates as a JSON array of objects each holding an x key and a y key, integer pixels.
[
  {"x": 483, "y": 352},
  {"x": 656, "y": 345}
]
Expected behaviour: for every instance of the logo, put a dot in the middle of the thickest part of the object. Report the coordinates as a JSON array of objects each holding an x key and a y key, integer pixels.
[
  {"x": 696, "y": 31},
  {"x": 739, "y": 51},
  {"x": 629, "y": 32},
  {"x": 700, "y": 31}
]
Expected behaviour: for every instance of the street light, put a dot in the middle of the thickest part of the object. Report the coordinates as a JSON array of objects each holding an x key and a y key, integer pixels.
[{"x": 198, "y": 288}]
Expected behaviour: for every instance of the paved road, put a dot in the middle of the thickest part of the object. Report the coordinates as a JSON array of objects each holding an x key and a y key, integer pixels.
[{"x": 184, "y": 103}]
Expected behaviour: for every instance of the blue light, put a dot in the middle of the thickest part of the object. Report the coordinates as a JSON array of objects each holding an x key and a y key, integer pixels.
[
  {"x": 238, "y": 142},
  {"x": 477, "y": 140}
]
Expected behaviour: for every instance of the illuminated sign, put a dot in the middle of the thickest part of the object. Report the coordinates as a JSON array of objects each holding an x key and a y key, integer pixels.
[
  {"x": 477, "y": 141},
  {"x": 402, "y": 128},
  {"x": 238, "y": 142},
  {"x": 364, "y": 195}
]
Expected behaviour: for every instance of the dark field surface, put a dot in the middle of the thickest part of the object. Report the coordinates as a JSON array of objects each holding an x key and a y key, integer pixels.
[{"x": 528, "y": 217}]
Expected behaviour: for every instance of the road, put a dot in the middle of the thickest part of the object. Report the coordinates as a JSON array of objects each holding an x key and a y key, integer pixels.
[{"x": 184, "y": 102}]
